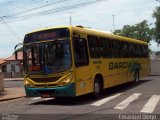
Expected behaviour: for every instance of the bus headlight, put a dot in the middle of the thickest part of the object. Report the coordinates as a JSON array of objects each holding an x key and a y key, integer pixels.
[
  {"x": 66, "y": 81},
  {"x": 28, "y": 84}
]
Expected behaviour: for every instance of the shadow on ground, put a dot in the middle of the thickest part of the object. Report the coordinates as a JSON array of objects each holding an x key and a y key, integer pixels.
[{"x": 86, "y": 99}]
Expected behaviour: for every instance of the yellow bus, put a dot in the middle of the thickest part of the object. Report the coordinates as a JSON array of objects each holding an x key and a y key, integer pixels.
[{"x": 71, "y": 61}]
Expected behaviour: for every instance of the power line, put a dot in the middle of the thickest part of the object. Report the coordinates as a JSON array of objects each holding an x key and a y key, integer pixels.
[
  {"x": 36, "y": 4},
  {"x": 15, "y": 15},
  {"x": 55, "y": 10},
  {"x": 11, "y": 30},
  {"x": 22, "y": 3},
  {"x": 36, "y": 8},
  {"x": 19, "y": 7}
]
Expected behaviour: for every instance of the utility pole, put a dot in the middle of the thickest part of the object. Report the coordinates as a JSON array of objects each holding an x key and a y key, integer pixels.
[
  {"x": 113, "y": 23},
  {"x": 70, "y": 17}
]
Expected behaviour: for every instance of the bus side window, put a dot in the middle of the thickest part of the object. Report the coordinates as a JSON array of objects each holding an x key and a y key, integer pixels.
[
  {"x": 145, "y": 51},
  {"x": 125, "y": 49},
  {"x": 80, "y": 52},
  {"x": 142, "y": 51},
  {"x": 135, "y": 50},
  {"x": 138, "y": 50},
  {"x": 105, "y": 47},
  {"x": 116, "y": 49},
  {"x": 131, "y": 50},
  {"x": 94, "y": 49}
]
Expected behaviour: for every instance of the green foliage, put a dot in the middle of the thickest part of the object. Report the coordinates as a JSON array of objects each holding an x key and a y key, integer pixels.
[
  {"x": 156, "y": 15},
  {"x": 158, "y": 53},
  {"x": 139, "y": 31}
]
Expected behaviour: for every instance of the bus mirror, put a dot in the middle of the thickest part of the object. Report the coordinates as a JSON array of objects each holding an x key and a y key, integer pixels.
[
  {"x": 16, "y": 56},
  {"x": 16, "y": 51}
]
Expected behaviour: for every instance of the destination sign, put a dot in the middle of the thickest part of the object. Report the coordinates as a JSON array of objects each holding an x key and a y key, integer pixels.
[{"x": 46, "y": 35}]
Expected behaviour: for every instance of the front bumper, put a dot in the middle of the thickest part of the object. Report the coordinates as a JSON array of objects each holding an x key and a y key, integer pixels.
[{"x": 65, "y": 91}]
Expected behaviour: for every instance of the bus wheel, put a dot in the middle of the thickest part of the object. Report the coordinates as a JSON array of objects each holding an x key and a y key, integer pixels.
[
  {"x": 97, "y": 88},
  {"x": 136, "y": 77}
]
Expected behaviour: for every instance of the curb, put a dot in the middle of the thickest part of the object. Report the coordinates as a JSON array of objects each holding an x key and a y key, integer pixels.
[
  {"x": 7, "y": 99},
  {"x": 158, "y": 74},
  {"x": 13, "y": 80},
  {"x": 154, "y": 75}
]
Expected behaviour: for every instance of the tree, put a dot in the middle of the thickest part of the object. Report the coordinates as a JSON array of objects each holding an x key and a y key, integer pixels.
[
  {"x": 139, "y": 31},
  {"x": 156, "y": 15},
  {"x": 158, "y": 53}
]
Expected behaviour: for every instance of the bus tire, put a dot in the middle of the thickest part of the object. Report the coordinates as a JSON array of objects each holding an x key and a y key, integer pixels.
[
  {"x": 97, "y": 90},
  {"x": 136, "y": 77}
]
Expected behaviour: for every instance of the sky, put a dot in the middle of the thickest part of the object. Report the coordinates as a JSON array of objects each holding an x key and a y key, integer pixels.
[{"x": 19, "y": 17}]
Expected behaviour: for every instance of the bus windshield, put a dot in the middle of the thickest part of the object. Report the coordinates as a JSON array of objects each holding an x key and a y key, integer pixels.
[{"x": 47, "y": 57}]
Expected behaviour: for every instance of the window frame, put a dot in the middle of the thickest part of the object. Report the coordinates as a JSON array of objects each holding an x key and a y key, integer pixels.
[
  {"x": 105, "y": 44},
  {"x": 86, "y": 61},
  {"x": 125, "y": 50},
  {"x": 92, "y": 54},
  {"x": 116, "y": 50}
]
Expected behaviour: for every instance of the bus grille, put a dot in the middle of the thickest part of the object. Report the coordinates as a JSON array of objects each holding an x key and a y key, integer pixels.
[
  {"x": 46, "y": 85},
  {"x": 46, "y": 91},
  {"x": 43, "y": 80}
]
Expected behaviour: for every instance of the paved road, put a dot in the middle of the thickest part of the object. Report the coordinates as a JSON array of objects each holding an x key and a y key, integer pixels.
[
  {"x": 13, "y": 83},
  {"x": 142, "y": 99}
]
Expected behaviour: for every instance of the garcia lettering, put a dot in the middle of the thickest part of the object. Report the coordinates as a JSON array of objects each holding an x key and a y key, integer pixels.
[{"x": 120, "y": 65}]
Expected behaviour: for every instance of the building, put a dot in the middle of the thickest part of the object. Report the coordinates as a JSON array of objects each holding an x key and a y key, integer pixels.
[
  {"x": 154, "y": 56},
  {"x": 12, "y": 67},
  {"x": 2, "y": 65}
]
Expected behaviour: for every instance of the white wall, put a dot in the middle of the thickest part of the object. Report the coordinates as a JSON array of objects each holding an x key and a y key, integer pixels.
[
  {"x": 17, "y": 69},
  {"x": 1, "y": 82},
  {"x": 155, "y": 66}
]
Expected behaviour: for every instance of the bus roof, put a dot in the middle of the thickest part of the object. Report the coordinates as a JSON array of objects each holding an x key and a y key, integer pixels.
[
  {"x": 47, "y": 28},
  {"x": 107, "y": 35},
  {"x": 89, "y": 31}
]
